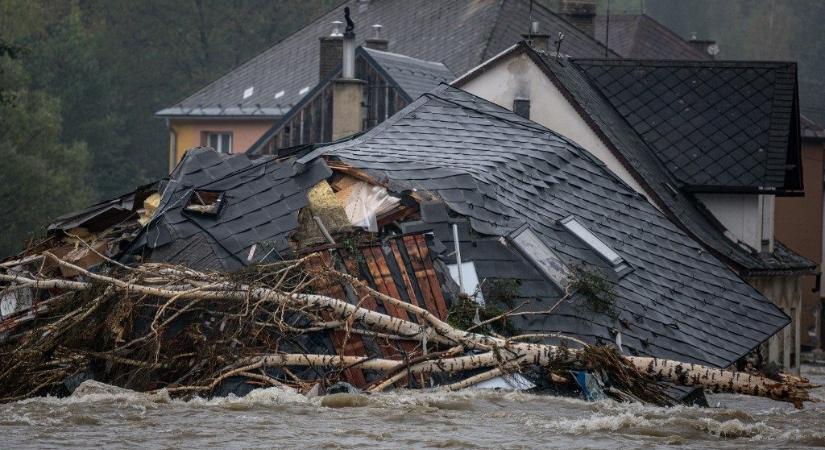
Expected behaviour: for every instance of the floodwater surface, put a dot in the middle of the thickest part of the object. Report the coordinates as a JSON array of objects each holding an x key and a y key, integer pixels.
[{"x": 276, "y": 418}]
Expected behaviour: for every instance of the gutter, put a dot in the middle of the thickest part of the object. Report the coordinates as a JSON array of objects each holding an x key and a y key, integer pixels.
[{"x": 173, "y": 144}]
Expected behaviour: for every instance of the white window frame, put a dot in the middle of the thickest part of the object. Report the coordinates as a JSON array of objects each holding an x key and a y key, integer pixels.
[
  {"x": 578, "y": 229},
  {"x": 224, "y": 140},
  {"x": 532, "y": 247}
]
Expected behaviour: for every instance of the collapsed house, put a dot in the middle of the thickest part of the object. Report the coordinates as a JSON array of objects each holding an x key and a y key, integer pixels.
[
  {"x": 712, "y": 144},
  {"x": 453, "y": 195}
]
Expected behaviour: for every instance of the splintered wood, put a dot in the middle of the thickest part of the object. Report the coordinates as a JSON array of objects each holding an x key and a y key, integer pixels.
[{"x": 299, "y": 323}]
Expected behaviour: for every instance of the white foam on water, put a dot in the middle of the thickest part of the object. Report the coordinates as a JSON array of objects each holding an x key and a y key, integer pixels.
[{"x": 259, "y": 397}]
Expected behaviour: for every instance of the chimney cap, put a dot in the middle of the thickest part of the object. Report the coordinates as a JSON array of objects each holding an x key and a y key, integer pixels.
[
  {"x": 376, "y": 30},
  {"x": 336, "y": 30}
]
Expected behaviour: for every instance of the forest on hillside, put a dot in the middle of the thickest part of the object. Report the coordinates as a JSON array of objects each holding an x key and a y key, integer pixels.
[{"x": 81, "y": 79}]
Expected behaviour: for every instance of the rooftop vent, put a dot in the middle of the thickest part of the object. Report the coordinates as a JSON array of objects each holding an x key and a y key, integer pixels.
[
  {"x": 377, "y": 41},
  {"x": 537, "y": 39},
  {"x": 336, "y": 29}
]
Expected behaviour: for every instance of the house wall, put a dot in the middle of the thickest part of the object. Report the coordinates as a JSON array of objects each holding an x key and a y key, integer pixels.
[
  {"x": 799, "y": 226},
  {"x": 783, "y": 348},
  {"x": 521, "y": 78},
  {"x": 187, "y": 133},
  {"x": 741, "y": 214}
]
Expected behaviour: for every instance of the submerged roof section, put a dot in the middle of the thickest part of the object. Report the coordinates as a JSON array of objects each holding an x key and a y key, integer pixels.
[
  {"x": 717, "y": 126},
  {"x": 502, "y": 171},
  {"x": 639, "y": 36},
  {"x": 459, "y": 33}
]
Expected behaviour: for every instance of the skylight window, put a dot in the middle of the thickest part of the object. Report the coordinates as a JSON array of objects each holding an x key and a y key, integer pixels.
[
  {"x": 303, "y": 91},
  {"x": 534, "y": 249},
  {"x": 279, "y": 94},
  {"x": 574, "y": 226},
  {"x": 248, "y": 92}
]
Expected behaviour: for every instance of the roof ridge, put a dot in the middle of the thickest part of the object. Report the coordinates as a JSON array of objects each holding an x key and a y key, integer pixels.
[
  {"x": 255, "y": 56},
  {"x": 686, "y": 62},
  {"x": 384, "y": 52}
]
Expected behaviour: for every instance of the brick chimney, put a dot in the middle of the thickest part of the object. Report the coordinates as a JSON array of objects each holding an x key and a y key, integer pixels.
[
  {"x": 377, "y": 41},
  {"x": 331, "y": 51},
  {"x": 347, "y": 93},
  {"x": 581, "y": 13}
]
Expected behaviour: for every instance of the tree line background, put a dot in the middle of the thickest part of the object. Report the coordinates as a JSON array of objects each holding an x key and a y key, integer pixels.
[{"x": 81, "y": 79}]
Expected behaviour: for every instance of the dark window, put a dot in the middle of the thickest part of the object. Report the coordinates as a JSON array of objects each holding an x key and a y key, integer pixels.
[
  {"x": 205, "y": 202},
  {"x": 220, "y": 141},
  {"x": 521, "y": 106}
]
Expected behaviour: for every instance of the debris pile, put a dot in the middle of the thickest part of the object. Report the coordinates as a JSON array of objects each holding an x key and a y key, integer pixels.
[{"x": 159, "y": 326}]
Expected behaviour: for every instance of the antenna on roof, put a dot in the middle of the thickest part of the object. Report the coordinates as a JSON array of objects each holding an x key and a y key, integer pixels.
[
  {"x": 607, "y": 31},
  {"x": 558, "y": 45},
  {"x": 530, "y": 21}
]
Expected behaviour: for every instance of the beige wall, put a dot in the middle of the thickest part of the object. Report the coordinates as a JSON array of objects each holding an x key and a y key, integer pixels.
[
  {"x": 188, "y": 133},
  {"x": 783, "y": 348},
  {"x": 799, "y": 226},
  {"x": 519, "y": 77}
]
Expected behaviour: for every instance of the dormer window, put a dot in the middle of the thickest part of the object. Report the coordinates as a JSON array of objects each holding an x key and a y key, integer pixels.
[{"x": 580, "y": 231}]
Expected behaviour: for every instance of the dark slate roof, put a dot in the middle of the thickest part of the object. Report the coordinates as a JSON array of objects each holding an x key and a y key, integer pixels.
[
  {"x": 810, "y": 129},
  {"x": 501, "y": 171},
  {"x": 459, "y": 33},
  {"x": 262, "y": 199},
  {"x": 412, "y": 75},
  {"x": 639, "y": 36},
  {"x": 640, "y": 160},
  {"x": 716, "y": 125}
]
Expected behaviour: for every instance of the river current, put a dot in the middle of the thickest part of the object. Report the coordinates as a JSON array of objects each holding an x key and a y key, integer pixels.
[{"x": 277, "y": 418}]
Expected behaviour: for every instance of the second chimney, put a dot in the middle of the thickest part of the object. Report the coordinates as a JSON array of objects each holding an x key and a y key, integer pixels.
[
  {"x": 706, "y": 47},
  {"x": 332, "y": 47},
  {"x": 347, "y": 94},
  {"x": 377, "y": 41},
  {"x": 581, "y": 13}
]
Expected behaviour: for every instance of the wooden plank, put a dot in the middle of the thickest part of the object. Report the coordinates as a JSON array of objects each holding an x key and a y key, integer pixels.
[
  {"x": 394, "y": 246},
  {"x": 424, "y": 251},
  {"x": 420, "y": 273}
]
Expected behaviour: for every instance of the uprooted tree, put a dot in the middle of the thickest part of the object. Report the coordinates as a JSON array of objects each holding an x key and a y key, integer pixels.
[{"x": 159, "y": 326}]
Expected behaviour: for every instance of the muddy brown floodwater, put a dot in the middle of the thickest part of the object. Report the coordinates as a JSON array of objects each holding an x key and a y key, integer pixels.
[{"x": 274, "y": 418}]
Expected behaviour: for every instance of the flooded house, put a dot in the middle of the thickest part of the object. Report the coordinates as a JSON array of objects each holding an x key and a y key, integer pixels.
[
  {"x": 459, "y": 197},
  {"x": 711, "y": 144}
]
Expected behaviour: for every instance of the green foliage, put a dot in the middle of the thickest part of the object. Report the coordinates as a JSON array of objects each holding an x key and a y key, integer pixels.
[
  {"x": 85, "y": 78},
  {"x": 462, "y": 315},
  {"x": 500, "y": 291},
  {"x": 597, "y": 291},
  {"x": 40, "y": 177}
]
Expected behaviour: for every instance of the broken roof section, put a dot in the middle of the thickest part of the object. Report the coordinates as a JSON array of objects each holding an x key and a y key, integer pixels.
[
  {"x": 459, "y": 33},
  {"x": 497, "y": 172},
  {"x": 254, "y": 210},
  {"x": 717, "y": 126}
]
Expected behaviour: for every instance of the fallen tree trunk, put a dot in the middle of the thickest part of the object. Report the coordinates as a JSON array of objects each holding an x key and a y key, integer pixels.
[{"x": 270, "y": 316}]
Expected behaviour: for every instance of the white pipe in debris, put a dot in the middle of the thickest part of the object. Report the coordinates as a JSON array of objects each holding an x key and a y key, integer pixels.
[{"x": 458, "y": 258}]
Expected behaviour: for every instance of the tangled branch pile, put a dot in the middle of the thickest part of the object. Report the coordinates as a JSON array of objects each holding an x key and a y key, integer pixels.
[{"x": 157, "y": 326}]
